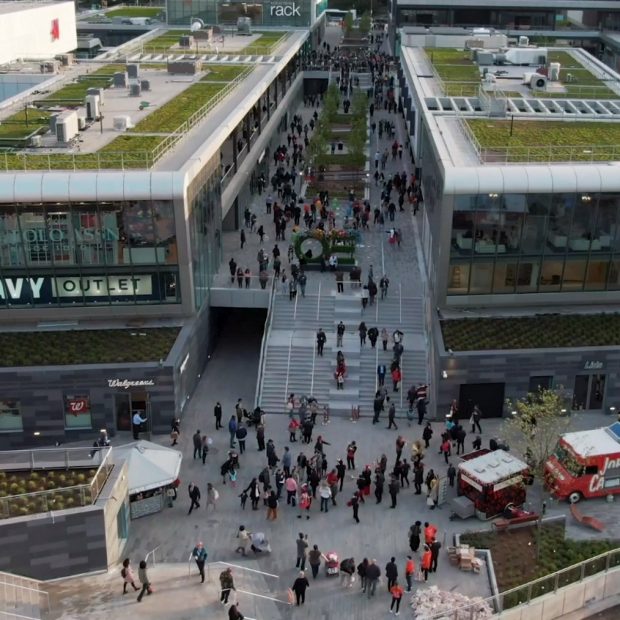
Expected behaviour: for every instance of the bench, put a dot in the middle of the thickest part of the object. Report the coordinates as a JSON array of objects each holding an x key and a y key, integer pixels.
[{"x": 505, "y": 524}]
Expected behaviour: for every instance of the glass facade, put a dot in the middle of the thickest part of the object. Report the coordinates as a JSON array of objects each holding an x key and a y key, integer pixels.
[
  {"x": 88, "y": 253},
  {"x": 272, "y": 13},
  {"x": 534, "y": 243},
  {"x": 205, "y": 229},
  {"x": 472, "y": 17}
]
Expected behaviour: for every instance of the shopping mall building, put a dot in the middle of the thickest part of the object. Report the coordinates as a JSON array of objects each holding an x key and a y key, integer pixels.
[
  {"x": 95, "y": 236},
  {"x": 511, "y": 228}
]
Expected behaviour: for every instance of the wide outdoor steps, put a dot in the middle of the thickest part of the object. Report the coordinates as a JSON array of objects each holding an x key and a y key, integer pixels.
[{"x": 291, "y": 364}]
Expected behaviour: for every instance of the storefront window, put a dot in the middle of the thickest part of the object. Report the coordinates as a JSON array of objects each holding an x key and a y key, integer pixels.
[
  {"x": 10, "y": 416},
  {"x": 77, "y": 411}
]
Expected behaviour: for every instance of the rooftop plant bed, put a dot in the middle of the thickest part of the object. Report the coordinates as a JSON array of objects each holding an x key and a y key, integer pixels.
[
  {"x": 86, "y": 346},
  {"x": 520, "y": 556},
  {"x": 456, "y": 68},
  {"x": 265, "y": 44},
  {"x": 538, "y": 332},
  {"x": 136, "y": 11},
  {"x": 15, "y": 125},
  {"x": 222, "y": 73},
  {"x": 165, "y": 41},
  {"x": 171, "y": 115},
  {"x": 532, "y": 140}
]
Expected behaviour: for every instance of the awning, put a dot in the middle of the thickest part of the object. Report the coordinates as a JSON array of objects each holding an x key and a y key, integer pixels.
[{"x": 149, "y": 465}]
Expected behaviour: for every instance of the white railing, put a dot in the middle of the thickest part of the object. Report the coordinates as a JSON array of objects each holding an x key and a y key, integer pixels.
[
  {"x": 263, "y": 345},
  {"x": 17, "y": 600},
  {"x": 288, "y": 367},
  {"x": 151, "y": 554}
]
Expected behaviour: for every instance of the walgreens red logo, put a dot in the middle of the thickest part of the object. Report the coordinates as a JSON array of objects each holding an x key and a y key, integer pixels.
[{"x": 55, "y": 31}]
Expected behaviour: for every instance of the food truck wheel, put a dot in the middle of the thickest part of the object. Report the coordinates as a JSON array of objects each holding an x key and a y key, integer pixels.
[{"x": 574, "y": 497}]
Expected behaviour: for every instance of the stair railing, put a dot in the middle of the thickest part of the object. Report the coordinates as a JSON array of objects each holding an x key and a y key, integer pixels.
[
  {"x": 263, "y": 345},
  {"x": 313, "y": 362},
  {"x": 318, "y": 304},
  {"x": 288, "y": 366},
  {"x": 400, "y": 302},
  {"x": 295, "y": 311}
]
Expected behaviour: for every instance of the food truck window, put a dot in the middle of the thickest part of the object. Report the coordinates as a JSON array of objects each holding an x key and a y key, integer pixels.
[{"x": 591, "y": 469}]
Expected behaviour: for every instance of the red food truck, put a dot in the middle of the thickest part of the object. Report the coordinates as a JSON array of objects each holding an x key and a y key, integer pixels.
[
  {"x": 585, "y": 464},
  {"x": 492, "y": 480}
]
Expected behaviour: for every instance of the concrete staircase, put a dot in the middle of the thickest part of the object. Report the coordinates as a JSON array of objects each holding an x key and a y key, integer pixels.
[
  {"x": 365, "y": 81},
  {"x": 292, "y": 365}
]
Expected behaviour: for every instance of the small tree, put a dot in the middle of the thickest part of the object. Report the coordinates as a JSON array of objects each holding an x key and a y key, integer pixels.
[
  {"x": 365, "y": 23},
  {"x": 348, "y": 23},
  {"x": 535, "y": 425}
]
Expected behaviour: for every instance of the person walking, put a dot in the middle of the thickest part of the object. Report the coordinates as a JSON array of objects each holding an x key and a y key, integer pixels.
[
  {"x": 200, "y": 556},
  {"x": 451, "y": 474},
  {"x": 241, "y": 434},
  {"x": 314, "y": 559},
  {"x": 427, "y": 433},
  {"x": 212, "y": 496},
  {"x": 361, "y": 571},
  {"x": 421, "y": 407},
  {"x": 242, "y": 238},
  {"x": 226, "y": 584},
  {"x": 347, "y": 572},
  {"x": 476, "y": 414},
  {"x": 373, "y": 572},
  {"x": 379, "y": 482},
  {"x": 234, "y": 613},
  {"x": 325, "y": 494},
  {"x": 272, "y": 506},
  {"x": 144, "y": 580},
  {"x": 392, "y": 416},
  {"x": 396, "y": 378},
  {"x": 260, "y": 437},
  {"x": 427, "y": 559},
  {"x": 397, "y": 592},
  {"x": 418, "y": 477},
  {"x": 409, "y": 572},
  {"x": 232, "y": 430},
  {"x": 194, "y": 496},
  {"x": 384, "y": 283},
  {"x": 415, "y": 531},
  {"x": 394, "y": 489},
  {"x": 391, "y": 573},
  {"x": 460, "y": 439},
  {"x": 217, "y": 412},
  {"x": 245, "y": 540},
  {"x": 321, "y": 338},
  {"x": 128, "y": 576},
  {"x": 435, "y": 546},
  {"x": 363, "y": 330},
  {"x": 351, "y": 450},
  {"x": 381, "y": 371},
  {"x": 302, "y": 551},
  {"x": 197, "y": 440},
  {"x": 299, "y": 588},
  {"x": 341, "y": 470},
  {"x": 354, "y": 502},
  {"x": 340, "y": 329},
  {"x": 385, "y": 337}
]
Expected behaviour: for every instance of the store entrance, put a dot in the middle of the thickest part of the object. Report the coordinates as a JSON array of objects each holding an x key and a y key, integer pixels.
[
  {"x": 589, "y": 392},
  {"x": 488, "y": 396},
  {"x": 127, "y": 404}
]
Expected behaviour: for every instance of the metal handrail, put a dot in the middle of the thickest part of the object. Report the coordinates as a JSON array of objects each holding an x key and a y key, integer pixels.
[
  {"x": 295, "y": 310},
  {"x": 400, "y": 303},
  {"x": 313, "y": 362},
  {"x": 288, "y": 367},
  {"x": 152, "y": 551},
  {"x": 263, "y": 345},
  {"x": 318, "y": 304}
]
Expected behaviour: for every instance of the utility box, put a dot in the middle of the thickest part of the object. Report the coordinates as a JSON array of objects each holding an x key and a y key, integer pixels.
[
  {"x": 93, "y": 109},
  {"x": 133, "y": 71},
  {"x": 67, "y": 126},
  {"x": 244, "y": 25},
  {"x": 135, "y": 89},
  {"x": 186, "y": 41},
  {"x": 96, "y": 91},
  {"x": 120, "y": 79},
  {"x": 184, "y": 67},
  {"x": 146, "y": 85}
]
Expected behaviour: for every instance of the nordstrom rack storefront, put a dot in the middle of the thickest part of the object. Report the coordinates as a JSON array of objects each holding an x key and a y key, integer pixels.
[{"x": 271, "y": 13}]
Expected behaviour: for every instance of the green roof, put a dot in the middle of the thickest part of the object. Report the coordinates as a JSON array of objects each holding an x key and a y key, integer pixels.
[{"x": 546, "y": 331}]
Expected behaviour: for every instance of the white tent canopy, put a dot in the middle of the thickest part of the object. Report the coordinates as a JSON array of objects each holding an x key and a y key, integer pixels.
[{"x": 149, "y": 465}]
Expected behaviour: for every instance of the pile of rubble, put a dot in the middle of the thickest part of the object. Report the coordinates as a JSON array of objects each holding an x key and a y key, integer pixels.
[{"x": 435, "y": 603}]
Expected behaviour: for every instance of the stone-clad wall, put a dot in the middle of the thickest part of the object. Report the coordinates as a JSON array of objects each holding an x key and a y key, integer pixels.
[
  {"x": 40, "y": 392},
  {"x": 514, "y": 368}
]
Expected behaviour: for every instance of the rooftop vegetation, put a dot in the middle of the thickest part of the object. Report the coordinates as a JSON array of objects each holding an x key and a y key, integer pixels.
[
  {"x": 222, "y": 73},
  {"x": 459, "y": 73},
  {"x": 548, "y": 140},
  {"x": 86, "y": 347},
  {"x": 546, "y": 331},
  {"x": 136, "y": 11},
  {"x": 265, "y": 44}
]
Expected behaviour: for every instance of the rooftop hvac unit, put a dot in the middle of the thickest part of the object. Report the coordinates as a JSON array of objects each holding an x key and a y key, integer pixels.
[
  {"x": 135, "y": 89},
  {"x": 538, "y": 82},
  {"x": 146, "y": 85},
  {"x": 53, "y": 121},
  {"x": 121, "y": 123},
  {"x": 554, "y": 71},
  {"x": 186, "y": 41},
  {"x": 65, "y": 59},
  {"x": 67, "y": 127},
  {"x": 244, "y": 25},
  {"x": 93, "y": 111},
  {"x": 81, "y": 123},
  {"x": 36, "y": 141},
  {"x": 524, "y": 41},
  {"x": 49, "y": 66},
  {"x": 133, "y": 71},
  {"x": 96, "y": 91},
  {"x": 120, "y": 79}
]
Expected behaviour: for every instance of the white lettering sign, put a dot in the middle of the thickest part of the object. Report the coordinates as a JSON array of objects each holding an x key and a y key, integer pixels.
[
  {"x": 593, "y": 365},
  {"x": 508, "y": 483},
  {"x": 597, "y": 482},
  {"x": 285, "y": 10},
  {"x": 128, "y": 383},
  {"x": 471, "y": 483},
  {"x": 100, "y": 286}
]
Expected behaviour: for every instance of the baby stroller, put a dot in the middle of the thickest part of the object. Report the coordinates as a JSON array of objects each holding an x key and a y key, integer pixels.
[
  {"x": 259, "y": 543},
  {"x": 332, "y": 565}
]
